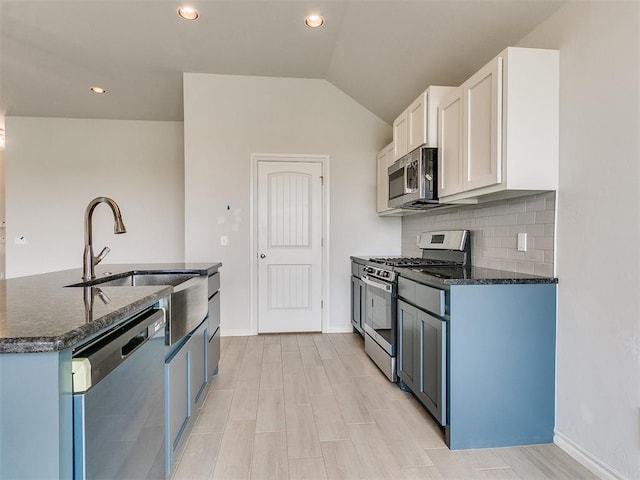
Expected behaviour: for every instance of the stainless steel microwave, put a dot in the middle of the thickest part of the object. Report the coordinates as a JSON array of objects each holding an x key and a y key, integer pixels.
[{"x": 413, "y": 180}]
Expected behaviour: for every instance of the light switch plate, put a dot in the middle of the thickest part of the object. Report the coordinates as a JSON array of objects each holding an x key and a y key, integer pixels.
[{"x": 522, "y": 242}]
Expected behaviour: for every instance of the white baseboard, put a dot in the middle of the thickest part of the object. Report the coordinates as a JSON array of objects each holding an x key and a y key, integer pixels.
[
  {"x": 235, "y": 332},
  {"x": 601, "y": 469}
]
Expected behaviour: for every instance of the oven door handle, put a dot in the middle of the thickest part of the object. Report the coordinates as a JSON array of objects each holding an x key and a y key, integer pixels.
[{"x": 382, "y": 286}]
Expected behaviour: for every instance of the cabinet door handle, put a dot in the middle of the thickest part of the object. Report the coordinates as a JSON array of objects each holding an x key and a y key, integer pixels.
[{"x": 262, "y": 255}]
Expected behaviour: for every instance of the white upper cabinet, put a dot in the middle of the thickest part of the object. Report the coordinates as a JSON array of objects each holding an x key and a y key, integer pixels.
[
  {"x": 417, "y": 125},
  {"x": 482, "y": 120},
  {"x": 400, "y": 139},
  {"x": 506, "y": 141},
  {"x": 385, "y": 159},
  {"x": 450, "y": 141}
]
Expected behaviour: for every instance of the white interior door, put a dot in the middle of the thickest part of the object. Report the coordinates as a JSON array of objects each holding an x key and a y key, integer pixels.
[{"x": 289, "y": 246}]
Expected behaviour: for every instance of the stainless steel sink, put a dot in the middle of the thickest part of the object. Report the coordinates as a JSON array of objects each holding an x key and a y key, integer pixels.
[
  {"x": 146, "y": 279},
  {"x": 188, "y": 303}
]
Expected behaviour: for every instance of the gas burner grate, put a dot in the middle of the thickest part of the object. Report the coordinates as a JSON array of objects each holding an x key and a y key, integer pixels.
[{"x": 413, "y": 262}]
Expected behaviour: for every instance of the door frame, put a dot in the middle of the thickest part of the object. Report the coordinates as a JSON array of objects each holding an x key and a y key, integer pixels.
[{"x": 323, "y": 160}]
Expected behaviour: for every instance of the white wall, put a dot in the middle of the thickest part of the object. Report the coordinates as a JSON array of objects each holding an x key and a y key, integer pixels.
[
  {"x": 598, "y": 231},
  {"x": 55, "y": 166},
  {"x": 226, "y": 119},
  {"x": 2, "y": 211}
]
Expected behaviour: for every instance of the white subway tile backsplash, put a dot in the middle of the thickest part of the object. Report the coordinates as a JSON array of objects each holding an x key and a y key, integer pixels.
[
  {"x": 517, "y": 207},
  {"x": 546, "y": 216},
  {"x": 493, "y": 242},
  {"x": 510, "y": 219},
  {"x": 501, "y": 231},
  {"x": 502, "y": 253},
  {"x": 493, "y": 263},
  {"x": 535, "y": 204},
  {"x": 526, "y": 219},
  {"x": 525, "y": 267},
  {"x": 551, "y": 203},
  {"x": 544, "y": 269},
  {"x": 549, "y": 229},
  {"x": 482, "y": 222},
  {"x": 536, "y": 230},
  {"x": 508, "y": 265},
  {"x": 509, "y": 242},
  {"x": 494, "y": 228},
  {"x": 528, "y": 256},
  {"x": 543, "y": 243}
]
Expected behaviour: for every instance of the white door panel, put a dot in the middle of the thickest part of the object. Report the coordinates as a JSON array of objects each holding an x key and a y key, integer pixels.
[{"x": 289, "y": 246}]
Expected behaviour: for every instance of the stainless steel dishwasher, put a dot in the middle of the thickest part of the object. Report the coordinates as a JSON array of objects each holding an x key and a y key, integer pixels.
[{"x": 118, "y": 402}]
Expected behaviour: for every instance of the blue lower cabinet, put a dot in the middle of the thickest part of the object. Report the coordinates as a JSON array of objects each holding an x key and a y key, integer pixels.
[
  {"x": 185, "y": 388},
  {"x": 36, "y": 415},
  {"x": 409, "y": 345},
  {"x": 486, "y": 369},
  {"x": 198, "y": 371},
  {"x": 501, "y": 365},
  {"x": 432, "y": 388},
  {"x": 422, "y": 357}
]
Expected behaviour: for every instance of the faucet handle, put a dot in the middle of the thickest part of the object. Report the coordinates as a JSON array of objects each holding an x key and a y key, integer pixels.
[{"x": 105, "y": 251}]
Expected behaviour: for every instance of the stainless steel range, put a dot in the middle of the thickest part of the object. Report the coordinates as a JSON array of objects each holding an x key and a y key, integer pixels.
[{"x": 442, "y": 251}]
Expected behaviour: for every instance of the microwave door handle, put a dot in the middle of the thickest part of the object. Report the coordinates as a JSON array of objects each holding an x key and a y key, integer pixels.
[{"x": 406, "y": 182}]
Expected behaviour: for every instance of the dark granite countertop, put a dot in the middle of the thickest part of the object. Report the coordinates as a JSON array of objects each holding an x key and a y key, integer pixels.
[
  {"x": 360, "y": 260},
  {"x": 41, "y": 313},
  {"x": 444, "y": 277}
]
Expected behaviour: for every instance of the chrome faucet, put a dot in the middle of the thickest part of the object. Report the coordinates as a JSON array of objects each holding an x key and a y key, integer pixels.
[{"x": 89, "y": 260}]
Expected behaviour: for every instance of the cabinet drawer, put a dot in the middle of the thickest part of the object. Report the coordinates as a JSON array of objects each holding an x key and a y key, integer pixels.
[
  {"x": 431, "y": 299},
  {"x": 422, "y": 296},
  {"x": 407, "y": 289},
  {"x": 214, "y": 283}
]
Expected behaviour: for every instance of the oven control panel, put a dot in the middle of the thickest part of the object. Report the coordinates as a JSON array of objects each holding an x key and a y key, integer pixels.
[
  {"x": 379, "y": 273},
  {"x": 444, "y": 240}
]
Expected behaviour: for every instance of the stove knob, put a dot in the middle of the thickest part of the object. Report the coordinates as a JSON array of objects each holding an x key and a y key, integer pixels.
[{"x": 385, "y": 274}]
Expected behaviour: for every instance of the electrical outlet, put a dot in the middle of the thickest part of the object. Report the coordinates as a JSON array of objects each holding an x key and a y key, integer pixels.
[
  {"x": 224, "y": 240},
  {"x": 522, "y": 242}
]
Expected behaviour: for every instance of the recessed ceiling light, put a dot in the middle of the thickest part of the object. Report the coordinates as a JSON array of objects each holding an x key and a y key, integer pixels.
[
  {"x": 188, "y": 13},
  {"x": 98, "y": 90},
  {"x": 314, "y": 21}
]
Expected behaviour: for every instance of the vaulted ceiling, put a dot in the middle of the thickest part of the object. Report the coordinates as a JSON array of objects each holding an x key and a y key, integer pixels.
[{"x": 381, "y": 53}]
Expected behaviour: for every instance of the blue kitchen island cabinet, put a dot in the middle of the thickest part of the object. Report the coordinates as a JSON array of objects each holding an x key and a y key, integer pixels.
[
  {"x": 44, "y": 320},
  {"x": 501, "y": 365}
]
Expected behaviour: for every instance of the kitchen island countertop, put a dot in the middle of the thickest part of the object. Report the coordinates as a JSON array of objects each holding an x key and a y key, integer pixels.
[{"x": 42, "y": 313}]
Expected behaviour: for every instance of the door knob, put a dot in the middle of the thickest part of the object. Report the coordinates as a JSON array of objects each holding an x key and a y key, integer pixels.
[{"x": 262, "y": 255}]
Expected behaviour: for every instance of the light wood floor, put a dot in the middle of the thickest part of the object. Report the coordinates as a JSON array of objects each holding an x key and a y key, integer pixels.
[{"x": 313, "y": 406}]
